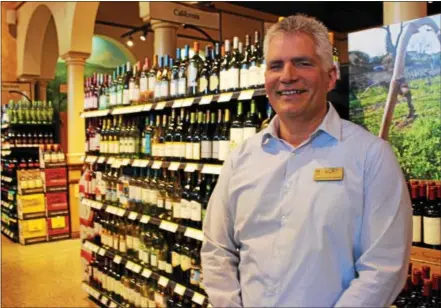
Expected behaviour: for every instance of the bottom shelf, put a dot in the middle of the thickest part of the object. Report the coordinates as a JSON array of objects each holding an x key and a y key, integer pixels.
[
  {"x": 45, "y": 238},
  {"x": 99, "y": 298},
  {"x": 9, "y": 234}
]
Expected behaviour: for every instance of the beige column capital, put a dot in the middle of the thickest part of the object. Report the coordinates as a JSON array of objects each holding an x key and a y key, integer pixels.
[
  {"x": 165, "y": 37},
  {"x": 75, "y": 58},
  {"x": 395, "y": 12}
]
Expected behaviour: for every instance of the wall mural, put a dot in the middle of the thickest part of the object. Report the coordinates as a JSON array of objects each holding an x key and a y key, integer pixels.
[
  {"x": 395, "y": 90},
  {"x": 107, "y": 54}
]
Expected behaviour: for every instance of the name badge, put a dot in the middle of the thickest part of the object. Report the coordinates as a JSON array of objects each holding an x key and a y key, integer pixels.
[{"x": 328, "y": 174}]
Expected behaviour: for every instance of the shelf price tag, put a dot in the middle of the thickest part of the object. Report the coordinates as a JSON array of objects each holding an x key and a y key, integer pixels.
[
  {"x": 120, "y": 212},
  {"x": 133, "y": 215},
  {"x": 163, "y": 281},
  {"x": 188, "y": 102},
  {"x": 198, "y": 298},
  {"x": 174, "y": 166},
  {"x": 178, "y": 103},
  {"x": 144, "y": 163},
  {"x": 246, "y": 94},
  {"x": 125, "y": 162},
  {"x": 160, "y": 105},
  {"x": 168, "y": 226},
  {"x": 101, "y": 159},
  {"x": 136, "y": 268},
  {"x": 205, "y": 100},
  {"x": 104, "y": 300},
  {"x": 146, "y": 273},
  {"x": 82, "y": 158},
  {"x": 117, "y": 259},
  {"x": 136, "y": 163},
  {"x": 113, "y": 305},
  {"x": 179, "y": 289},
  {"x": 102, "y": 252},
  {"x": 194, "y": 233},
  {"x": 157, "y": 164},
  {"x": 225, "y": 97},
  {"x": 111, "y": 160},
  {"x": 129, "y": 265},
  {"x": 145, "y": 219},
  {"x": 190, "y": 167},
  {"x": 147, "y": 107},
  {"x": 98, "y": 205}
]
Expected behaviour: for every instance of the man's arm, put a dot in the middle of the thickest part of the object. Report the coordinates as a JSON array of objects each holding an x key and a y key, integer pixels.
[
  {"x": 220, "y": 258},
  {"x": 383, "y": 249}
]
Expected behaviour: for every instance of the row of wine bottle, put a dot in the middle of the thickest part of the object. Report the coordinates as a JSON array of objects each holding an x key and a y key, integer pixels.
[
  {"x": 426, "y": 206},
  {"x": 221, "y": 69},
  {"x": 183, "y": 135},
  {"x": 25, "y": 112}
]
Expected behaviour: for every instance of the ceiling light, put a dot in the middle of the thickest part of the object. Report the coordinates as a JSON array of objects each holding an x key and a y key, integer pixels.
[
  {"x": 142, "y": 37},
  {"x": 130, "y": 42}
]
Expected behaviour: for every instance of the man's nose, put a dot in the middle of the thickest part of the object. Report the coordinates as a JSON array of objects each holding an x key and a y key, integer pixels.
[{"x": 289, "y": 73}]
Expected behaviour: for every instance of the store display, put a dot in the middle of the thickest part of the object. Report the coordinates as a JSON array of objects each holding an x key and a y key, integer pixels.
[{"x": 26, "y": 112}]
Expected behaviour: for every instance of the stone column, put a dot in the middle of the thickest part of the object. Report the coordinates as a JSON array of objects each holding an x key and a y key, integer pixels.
[
  {"x": 42, "y": 89},
  {"x": 75, "y": 62},
  {"x": 165, "y": 37},
  {"x": 395, "y": 12}
]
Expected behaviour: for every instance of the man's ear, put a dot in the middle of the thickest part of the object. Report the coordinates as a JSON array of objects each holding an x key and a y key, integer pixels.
[{"x": 332, "y": 75}]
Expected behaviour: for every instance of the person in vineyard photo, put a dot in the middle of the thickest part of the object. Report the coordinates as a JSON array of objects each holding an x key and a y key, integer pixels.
[{"x": 313, "y": 211}]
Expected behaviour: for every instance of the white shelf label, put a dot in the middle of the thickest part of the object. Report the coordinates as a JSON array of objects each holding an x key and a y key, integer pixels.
[
  {"x": 104, "y": 300},
  {"x": 157, "y": 164},
  {"x": 163, "y": 281},
  {"x": 147, "y": 107},
  {"x": 205, "y": 100},
  {"x": 102, "y": 252},
  {"x": 136, "y": 163},
  {"x": 246, "y": 94},
  {"x": 146, "y": 273},
  {"x": 174, "y": 166},
  {"x": 178, "y": 103},
  {"x": 136, "y": 268},
  {"x": 168, "y": 226},
  {"x": 129, "y": 265},
  {"x": 101, "y": 159},
  {"x": 117, "y": 259},
  {"x": 194, "y": 233},
  {"x": 188, "y": 102},
  {"x": 120, "y": 212},
  {"x": 144, "y": 163},
  {"x": 179, "y": 289},
  {"x": 198, "y": 298},
  {"x": 225, "y": 97},
  {"x": 125, "y": 162},
  {"x": 113, "y": 305},
  {"x": 190, "y": 167},
  {"x": 145, "y": 219},
  {"x": 160, "y": 105},
  {"x": 111, "y": 160},
  {"x": 133, "y": 215}
]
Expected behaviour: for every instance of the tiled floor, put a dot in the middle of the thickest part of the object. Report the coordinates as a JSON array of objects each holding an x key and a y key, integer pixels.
[{"x": 42, "y": 275}]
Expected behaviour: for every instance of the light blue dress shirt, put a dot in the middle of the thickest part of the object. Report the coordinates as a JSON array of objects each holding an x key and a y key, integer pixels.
[{"x": 275, "y": 237}]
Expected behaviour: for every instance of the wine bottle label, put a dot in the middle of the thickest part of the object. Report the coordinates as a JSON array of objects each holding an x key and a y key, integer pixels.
[
  {"x": 136, "y": 244},
  {"x": 253, "y": 75},
  {"x": 160, "y": 150},
  {"x": 161, "y": 265},
  {"x": 416, "y": 230},
  {"x": 151, "y": 84},
  {"x": 214, "y": 82},
  {"x": 206, "y": 149},
  {"x": 116, "y": 242},
  {"x": 181, "y": 149},
  {"x": 192, "y": 74},
  {"x": 136, "y": 94},
  {"x": 153, "y": 260},
  {"x": 160, "y": 202},
  {"x": 159, "y": 300},
  {"x": 249, "y": 132},
  {"x": 168, "y": 268},
  {"x": 147, "y": 144},
  {"x": 182, "y": 86},
  {"x": 132, "y": 192},
  {"x": 185, "y": 209},
  {"x": 261, "y": 75},
  {"x": 144, "y": 302},
  {"x": 174, "y": 85},
  {"x": 168, "y": 204},
  {"x": 129, "y": 242},
  {"x": 116, "y": 147},
  {"x": 236, "y": 137},
  {"x": 137, "y": 299},
  {"x": 157, "y": 90},
  {"x": 152, "y": 304},
  {"x": 195, "y": 276},
  {"x": 131, "y": 88},
  {"x": 188, "y": 150},
  {"x": 195, "y": 211},
  {"x": 112, "y": 99},
  {"x": 164, "y": 89},
  {"x": 143, "y": 84},
  {"x": 244, "y": 78},
  {"x": 197, "y": 150},
  {"x": 168, "y": 149},
  {"x": 233, "y": 74},
  {"x": 138, "y": 194},
  {"x": 432, "y": 230},
  {"x": 86, "y": 149},
  {"x": 185, "y": 263},
  {"x": 177, "y": 209},
  {"x": 224, "y": 147},
  {"x": 176, "y": 259},
  {"x": 203, "y": 84},
  {"x": 122, "y": 245},
  {"x": 126, "y": 98},
  {"x": 152, "y": 195},
  {"x": 145, "y": 195}
]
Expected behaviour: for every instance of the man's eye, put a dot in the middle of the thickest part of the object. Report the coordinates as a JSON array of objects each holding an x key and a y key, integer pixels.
[
  {"x": 304, "y": 63},
  {"x": 275, "y": 66}
]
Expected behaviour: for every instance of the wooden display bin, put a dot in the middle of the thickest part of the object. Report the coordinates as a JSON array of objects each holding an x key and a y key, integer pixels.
[{"x": 424, "y": 256}]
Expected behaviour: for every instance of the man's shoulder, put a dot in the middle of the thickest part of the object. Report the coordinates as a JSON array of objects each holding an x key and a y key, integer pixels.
[{"x": 357, "y": 134}]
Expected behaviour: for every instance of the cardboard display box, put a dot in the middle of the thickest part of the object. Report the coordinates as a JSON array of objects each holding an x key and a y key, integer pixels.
[
  {"x": 31, "y": 206},
  {"x": 32, "y": 228},
  {"x": 55, "y": 177}
]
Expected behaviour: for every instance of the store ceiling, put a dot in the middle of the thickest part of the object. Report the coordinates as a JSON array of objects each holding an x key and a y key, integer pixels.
[{"x": 337, "y": 16}]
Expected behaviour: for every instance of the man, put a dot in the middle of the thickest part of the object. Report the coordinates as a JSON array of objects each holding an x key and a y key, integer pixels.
[{"x": 313, "y": 211}]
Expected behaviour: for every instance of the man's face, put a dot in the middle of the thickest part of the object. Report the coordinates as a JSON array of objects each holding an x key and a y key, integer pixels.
[{"x": 295, "y": 80}]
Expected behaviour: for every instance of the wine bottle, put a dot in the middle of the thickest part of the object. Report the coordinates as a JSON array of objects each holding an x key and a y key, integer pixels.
[
  {"x": 217, "y": 136},
  {"x": 158, "y": 83},
  {"x": 196, "y": 204},
  {"x": 251, "y": 122},
  {"x": 236, "y": 132},
  {"x": 234, "y": 67},
  {"x": 182, "y": 82},
  {"x": 143, "y": 82},
  {"x": 174, "y": 75},
  {"x": 206, "y": 141},
  {"x": 224, "y": 140},
  {"x": 196, "y": 140},
  {"x": 165, "y": 81},
  {"x": 152, "y": 78},
  {"x": 417, "y": 217},
  {"x": 179, "y": 138},
  {"x": 204, "y": 76},
  {"x": 189, "y": 137},
  {"x": 245, "y": 64},
  {"x": 214, "y": 70},
  {"x": 193, "y": 71},
  {"x": 224, "y": 73},
  {"x": 432, "y": 221}
]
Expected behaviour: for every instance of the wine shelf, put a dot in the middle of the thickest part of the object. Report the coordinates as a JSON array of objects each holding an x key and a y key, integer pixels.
[
  {"x": 98, "y": 297},
  {"x": 146, "y": 219},
  {"x": 178, "y": 103},
  {"x": 6, "y": 146},
  {"x": 146, "y": 272},
  {"x": 206, "y": 168}
]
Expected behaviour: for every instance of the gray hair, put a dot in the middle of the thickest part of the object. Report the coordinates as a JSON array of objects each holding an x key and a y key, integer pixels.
[{"x": 304, "y": 24}]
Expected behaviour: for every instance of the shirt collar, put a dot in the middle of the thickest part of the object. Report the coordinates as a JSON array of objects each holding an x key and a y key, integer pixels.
[{"x": 331, "y": 125}]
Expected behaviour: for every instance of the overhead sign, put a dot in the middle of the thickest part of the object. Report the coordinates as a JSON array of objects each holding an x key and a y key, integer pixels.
[{"x": 178, "y": 13}]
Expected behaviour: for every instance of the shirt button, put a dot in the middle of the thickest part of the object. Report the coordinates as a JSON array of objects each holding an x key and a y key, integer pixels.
[{"x": 283, "y": 220}]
